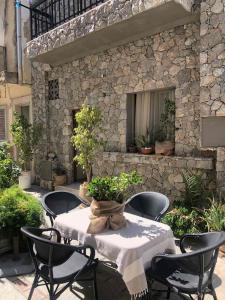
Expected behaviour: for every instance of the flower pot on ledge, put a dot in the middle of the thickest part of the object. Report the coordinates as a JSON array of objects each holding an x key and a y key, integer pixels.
[
  {"x": 164, "y": 148},
  {"x": 147, "y": 150}
]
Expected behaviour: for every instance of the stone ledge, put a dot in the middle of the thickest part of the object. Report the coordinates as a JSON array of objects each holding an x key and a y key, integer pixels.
[
  {"x": 106, "y": 25},
  {"x": 173, "y": 161}
]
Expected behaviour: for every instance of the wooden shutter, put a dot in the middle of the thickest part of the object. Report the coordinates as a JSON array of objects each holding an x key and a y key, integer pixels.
[{"x": 2, "y": 125}]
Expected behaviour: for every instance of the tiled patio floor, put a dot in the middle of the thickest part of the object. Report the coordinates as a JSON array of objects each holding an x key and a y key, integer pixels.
[{"x": 110, "y": 287}]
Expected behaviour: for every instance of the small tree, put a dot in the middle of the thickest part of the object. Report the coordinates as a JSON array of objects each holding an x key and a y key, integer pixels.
[
  {"x": 25, "y": 137},
  {"x": 86, "y": 138}
]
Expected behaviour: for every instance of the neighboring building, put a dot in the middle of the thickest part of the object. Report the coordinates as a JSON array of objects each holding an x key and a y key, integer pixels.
[
  {"x": 15, "y": 70},
  {"x": 127, "y": 57}
]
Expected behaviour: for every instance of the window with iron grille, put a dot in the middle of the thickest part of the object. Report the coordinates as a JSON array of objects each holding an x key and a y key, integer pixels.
[
  {"x": 53, "y": 89},
  {"x": 2, "y": 124}
]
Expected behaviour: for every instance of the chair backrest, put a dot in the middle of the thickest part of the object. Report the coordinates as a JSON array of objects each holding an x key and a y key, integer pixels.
[
  {"x": 151, "y": 205},
  {"x": 208, "y": 242},
  {"x": 45, "y": 251},
  {"x": 204, "y": 258},
  {"x": 59, "y": 202}
]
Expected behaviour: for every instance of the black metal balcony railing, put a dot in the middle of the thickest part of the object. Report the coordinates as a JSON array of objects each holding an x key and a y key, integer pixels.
[{"x": 48, "y": 14}]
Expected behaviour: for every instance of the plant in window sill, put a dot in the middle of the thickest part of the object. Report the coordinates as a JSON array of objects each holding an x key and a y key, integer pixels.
[
  {"x": 144, "y": 143},
  {"x": 165, "y": 137}
]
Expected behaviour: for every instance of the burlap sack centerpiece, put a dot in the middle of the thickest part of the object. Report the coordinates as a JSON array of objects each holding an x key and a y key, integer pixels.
[
  {"x": 107, "y": 206},
  {"x": 106, "y": 215}
]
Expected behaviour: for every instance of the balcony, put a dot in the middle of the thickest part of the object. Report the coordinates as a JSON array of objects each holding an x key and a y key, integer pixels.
[{"x": 64, "y": 32}]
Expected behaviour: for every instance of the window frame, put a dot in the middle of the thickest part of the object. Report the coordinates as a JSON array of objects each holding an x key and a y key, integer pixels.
[{"x": 130, "y": 138}]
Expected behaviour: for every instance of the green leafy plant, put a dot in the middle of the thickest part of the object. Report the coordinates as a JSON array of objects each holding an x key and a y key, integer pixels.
[
  {"x": 167, "y": 122},
  {"x": 18, "y": 209},
  {"x": 186, "y": 216},
  {"x": 214, "y": 216},
  {"x": 143, "y": 141},
  {"x": 86, "y": 139},
  {"x": 9, "y": 171},
  {"x": 113, "y": 188},
  {"x": 183, "y": 220},
  {"x": 195, "y": 194},
  {"x": 25, "y": 137}
]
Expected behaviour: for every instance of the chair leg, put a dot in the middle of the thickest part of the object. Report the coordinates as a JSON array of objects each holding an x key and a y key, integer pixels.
[
  {"x": 95, "y": 286},
  {"x": 168, "y": 293},
  {"x": 51, "y": 293},
  {"x": 34, "y": 285},
  {"x": 213, "y": 292}
]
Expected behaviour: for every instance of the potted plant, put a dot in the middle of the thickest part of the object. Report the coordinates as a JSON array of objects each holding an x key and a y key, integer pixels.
[
  {"x": 144, "y": 143},
  {"x": 59, "y": 175},
  {"x": 17, "y": 209},
  {"x": 109, "y": 194},
  {"x": 87, "y": 142},
  {"x": 25, "y": 137},
  {"x": 165, "y": 137}
]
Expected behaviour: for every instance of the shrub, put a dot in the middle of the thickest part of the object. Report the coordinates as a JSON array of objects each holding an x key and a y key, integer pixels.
[
  {"x": 187, "y": 215},
  {"x": 214, "y": 216},
  {"x": 26, "y": 137},
  {"x": 9, "y": 171},
  {"x": 195, "y": 194},
  {"x": 113, "y": 187},
  {"x": 183, "y": 220},
  {"x": 18, "y": 209}
]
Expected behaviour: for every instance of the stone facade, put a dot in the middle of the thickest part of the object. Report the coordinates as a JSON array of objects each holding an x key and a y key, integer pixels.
[{"x": 188, "y": 58}]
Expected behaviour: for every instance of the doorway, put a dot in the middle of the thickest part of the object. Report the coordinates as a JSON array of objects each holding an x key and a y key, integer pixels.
[{"x": 78, "y": 172}]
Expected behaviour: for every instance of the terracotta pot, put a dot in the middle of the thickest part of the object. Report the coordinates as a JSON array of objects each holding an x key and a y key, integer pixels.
[
  {"x": 147, "y": 150},
  {"x": 59, "y": 180},
  {"x": 164, "y": 148},
  {"x": 83, "y": 193}
]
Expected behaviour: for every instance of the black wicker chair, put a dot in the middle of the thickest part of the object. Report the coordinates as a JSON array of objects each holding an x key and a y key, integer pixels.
[
  {"x": 190, "y": 272},
  {"x": 57, "y": 264},
  {"x": 58, "y": 202},
  {"x": 151, "y": 205}
]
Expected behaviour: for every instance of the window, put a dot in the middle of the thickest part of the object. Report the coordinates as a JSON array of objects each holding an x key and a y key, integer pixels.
[
  {"x": 144, "y": 112},
  {"x": 25, "y": 111},
  {"x": 53, "y": 89},
  {"x": 2, "y": 124}
]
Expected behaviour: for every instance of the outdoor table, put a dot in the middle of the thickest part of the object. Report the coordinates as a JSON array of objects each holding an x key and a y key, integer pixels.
[{"x": 131, "y": 248}]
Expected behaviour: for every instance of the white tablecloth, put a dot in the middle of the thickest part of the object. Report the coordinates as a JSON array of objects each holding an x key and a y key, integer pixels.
[{"x": 131, "y": 248}]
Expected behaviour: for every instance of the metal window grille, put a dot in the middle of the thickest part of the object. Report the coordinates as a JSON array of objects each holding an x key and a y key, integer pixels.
[
  {"x": 53, "y": 89},
  {"x": 48, "y": 14}
]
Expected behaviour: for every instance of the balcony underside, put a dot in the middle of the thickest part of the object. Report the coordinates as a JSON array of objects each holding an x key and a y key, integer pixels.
[{"x": 65, "y": 43}]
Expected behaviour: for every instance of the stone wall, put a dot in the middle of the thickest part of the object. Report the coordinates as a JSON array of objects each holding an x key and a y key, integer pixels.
[
  {"x": 159, "y": 173},
  {"x": 168, "y": 59},
  {"x": 212, "y": 58},
  {"x": 212, "y": 70}
]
